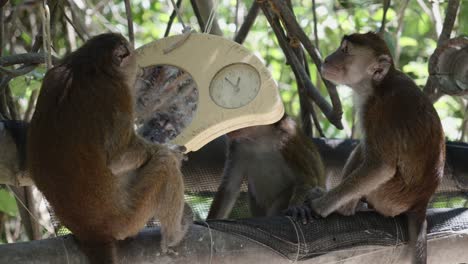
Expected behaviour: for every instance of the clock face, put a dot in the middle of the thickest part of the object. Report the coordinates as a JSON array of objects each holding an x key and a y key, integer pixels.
[{"x": 235, "y": 85}]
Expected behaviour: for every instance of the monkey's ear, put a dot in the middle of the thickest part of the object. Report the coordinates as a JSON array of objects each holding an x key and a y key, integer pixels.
[
  {"x": 287, "y": 124},
  {"x": 379, "y": 69},
  {"x": 121, "y": 55}
]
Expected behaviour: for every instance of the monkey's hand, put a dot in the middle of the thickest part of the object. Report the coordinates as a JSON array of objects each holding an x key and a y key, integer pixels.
[
  {"x": 306, "y": 212},
  {"x": 302, "y": 213},
  {"x": 350, "y": 208}
]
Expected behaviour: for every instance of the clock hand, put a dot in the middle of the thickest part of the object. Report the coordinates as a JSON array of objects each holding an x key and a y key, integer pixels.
[
  {"x": 229, "y": 81},
  {"x": 238, "y": 81},
  {"x": 237, "y": 88}
]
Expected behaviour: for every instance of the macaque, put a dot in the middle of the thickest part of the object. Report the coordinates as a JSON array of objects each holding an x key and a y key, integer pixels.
[
  {"x": 103, "y": 181},
  {"x": 280, "y": 163},
  {"x": 399, "y": 161}
]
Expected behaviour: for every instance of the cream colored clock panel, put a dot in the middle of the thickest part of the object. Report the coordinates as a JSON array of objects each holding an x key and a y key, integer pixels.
[{"x": 203, "y": 56}]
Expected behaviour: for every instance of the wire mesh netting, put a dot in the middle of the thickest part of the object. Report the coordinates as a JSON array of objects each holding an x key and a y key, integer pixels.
[{"x": 294, "y": 240}]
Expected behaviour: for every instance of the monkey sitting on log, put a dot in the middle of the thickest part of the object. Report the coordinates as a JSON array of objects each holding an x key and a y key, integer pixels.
[
  {"x": 399, "y": 161},
  {"x": 103, "y": 181},
  {"x": 280, "y": 163}
]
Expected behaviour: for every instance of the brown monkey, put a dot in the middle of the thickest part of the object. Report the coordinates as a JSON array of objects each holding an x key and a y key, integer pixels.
[
  {"x": 399, "y": 162},
  {"x": 103, "y": 181},
  {"x": 280, "y": 163}
]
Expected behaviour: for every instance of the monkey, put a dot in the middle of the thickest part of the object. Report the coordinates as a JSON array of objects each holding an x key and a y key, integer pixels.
[
  {"x": 103, "y": 181},
  {"x": 280, "y": 163},
  {"x": 399, "y": 162}
]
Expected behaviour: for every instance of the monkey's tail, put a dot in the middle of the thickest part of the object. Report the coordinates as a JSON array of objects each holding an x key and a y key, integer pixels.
[{"x": 99, "y": 252}]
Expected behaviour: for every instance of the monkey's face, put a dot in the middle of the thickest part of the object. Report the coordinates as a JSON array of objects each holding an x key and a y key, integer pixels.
[
  {"x": 356, "y": 63},
  {"x": 348, "y": 64}
]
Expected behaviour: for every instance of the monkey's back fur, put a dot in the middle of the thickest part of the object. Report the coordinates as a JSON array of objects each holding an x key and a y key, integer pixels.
[
  {"x": 399, "y": 119},
  {"x": 69, "y": 132},
  {"x": 83, "y": 126}
]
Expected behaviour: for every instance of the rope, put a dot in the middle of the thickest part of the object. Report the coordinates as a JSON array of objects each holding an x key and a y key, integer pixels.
[
  {"x": 298, "y": 239},
  {"x": 42, "y": 225},
  {"x": 397, "y": 230},
  {"x": 303, "y": 239},
  {"x": 211, "y": 240},
  {"x": 186, "y": 31},
  {"x": 65, "y": 248},
  {"x": 211, "y": 17},
  {"x": 178, "y": 43},
  {"x": 179, "y": 16},
  {"x": 29, "y": 212}
]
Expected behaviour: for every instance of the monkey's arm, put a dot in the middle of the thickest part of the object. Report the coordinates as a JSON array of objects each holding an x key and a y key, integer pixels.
[
  {"x": 352, "y": 162},
  {"x": 300, "y": 194},
  {"x": 228, "y": 191},
  {"x": 131, "y": 158},
  {"x": 363, "y": 180},
  {"x": 307, "y": 167}
]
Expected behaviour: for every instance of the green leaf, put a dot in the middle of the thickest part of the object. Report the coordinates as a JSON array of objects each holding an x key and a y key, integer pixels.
[
  {"x": 408, "y": 42},
  {"x": 8, "y": 203},
  {"x": 463, "y": 19}
]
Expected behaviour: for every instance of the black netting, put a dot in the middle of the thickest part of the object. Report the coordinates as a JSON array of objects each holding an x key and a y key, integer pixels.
[
  {"x": 297, "y": 241},
  {"x": 203, "y": 172}
]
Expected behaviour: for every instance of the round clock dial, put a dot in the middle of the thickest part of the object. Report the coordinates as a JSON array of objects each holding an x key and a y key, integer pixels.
[{"x": 235, "y": 85}]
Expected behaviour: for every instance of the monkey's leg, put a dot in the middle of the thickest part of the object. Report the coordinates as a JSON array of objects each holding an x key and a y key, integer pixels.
[
  {"x": 256, "y": 210},
  {"x": 417, "y": 230},
  {"x": 227, "y": 193},
  {"x": 280, "y": 203},
  {"x": 131, "y": 158},
  {"x": 366, "y": 178},
  {"x": 168, "y": 196},
  {"x": 154, "y": 189},
  {"x": 353, "y": 161}
]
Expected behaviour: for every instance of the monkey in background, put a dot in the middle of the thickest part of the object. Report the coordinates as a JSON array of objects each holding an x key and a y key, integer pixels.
[
  {"x": 399, "y": 161},
  {"x": 103, "y": 181},
  {"x": 280, "y": 163}
]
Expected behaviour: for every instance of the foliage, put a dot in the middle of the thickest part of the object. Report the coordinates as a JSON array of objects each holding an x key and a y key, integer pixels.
[
  {"x": 7, "y": 203},
  {"x": 416, "y": 42}
]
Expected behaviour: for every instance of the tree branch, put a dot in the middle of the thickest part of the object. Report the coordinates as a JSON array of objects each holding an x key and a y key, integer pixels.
[
  {"x": 314, "y": 12},
  {"x": 128, "y": 11},
  {"x": 11, "y": 104},
  {"x": 298, "y": 68},
  {"x": 196, "y": 11},
  {"x": 449, "y": 21},
  {"x": 2, "y": 28},
  {"x": 399, "y": 30},
  {"x": 204, "y": 8},
  {"x": 171, "y": 18},
  {"x": 450, "y": 15},
  {"x": 248, "y": 22},
  {"x": 293, "y": 28},
  {"x": 313, "y": 113},
  {"x": 386, "y": 5}
]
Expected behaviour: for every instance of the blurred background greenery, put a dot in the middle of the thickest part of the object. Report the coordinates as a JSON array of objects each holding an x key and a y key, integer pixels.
[{"x": 412, "y": 32}]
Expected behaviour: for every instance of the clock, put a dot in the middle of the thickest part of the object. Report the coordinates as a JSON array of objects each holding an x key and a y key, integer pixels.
[
  {"x": 235, "y": 85},
  {"x": 234, "y": 88}
]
